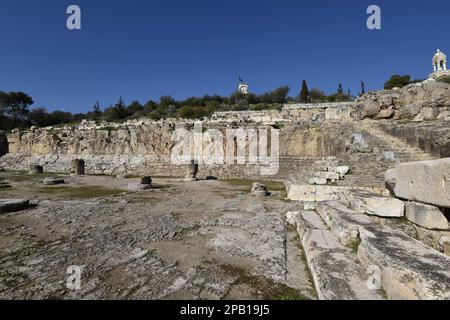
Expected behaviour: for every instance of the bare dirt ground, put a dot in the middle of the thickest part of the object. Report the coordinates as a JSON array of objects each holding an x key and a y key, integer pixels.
[{"x": 196, "y": 240}]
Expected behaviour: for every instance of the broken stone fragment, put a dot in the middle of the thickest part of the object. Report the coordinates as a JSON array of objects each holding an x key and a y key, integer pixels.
[
  {"x": 13, "y": 205},
  {"x": 259, "y": 190},
  {"x": 53, "y": 181},
  {"x": 427, "y": 216}
]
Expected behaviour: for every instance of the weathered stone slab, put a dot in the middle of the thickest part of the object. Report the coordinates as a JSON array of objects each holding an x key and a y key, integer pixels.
[
  {"x": 427, "y": 216},
  {"x": 424, "y": 181},
  {"x": 379, "y": 206},
  {"x": 409, "y": 269},
  {"x": 13, "y": 205},
  {"x": 336, "y": 275}
]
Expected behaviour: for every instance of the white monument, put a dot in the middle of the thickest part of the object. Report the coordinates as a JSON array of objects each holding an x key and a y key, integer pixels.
[
  {"x": 439, "y": 65},
  {"x": 439, "y": 61},
  {"x": 242, "y": 87}
]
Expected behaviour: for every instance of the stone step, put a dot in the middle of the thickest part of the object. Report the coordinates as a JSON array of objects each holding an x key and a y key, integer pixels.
[{"x": 409, "y": 269}]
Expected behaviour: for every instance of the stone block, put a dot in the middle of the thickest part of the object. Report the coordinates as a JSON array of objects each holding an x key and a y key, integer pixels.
[
  {"x": 426, "y": 216},
  {"x": 424, "y": 181},
  {"x": 378, "y": 206}
]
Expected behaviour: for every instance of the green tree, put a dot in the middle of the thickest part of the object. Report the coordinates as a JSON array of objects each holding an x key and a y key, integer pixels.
[
  {"x": 96, "y": 109},
  {"x": 398, "y": 81},
  {"x": 317, "y": 95},
  {"x": 39, "y": 117},
  {"x": 15, "y": 104},
  {"x": 363, "y": 88},
  {"x": 166, "y": 101},
  {"x": 304, "y": 93},
  {"x": 135, "y": 109}
]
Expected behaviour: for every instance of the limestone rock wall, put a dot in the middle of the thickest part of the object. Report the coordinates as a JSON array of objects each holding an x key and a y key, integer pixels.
[
  {"x": 427, "y": 100},
  {"x": 146, "y": 148}
]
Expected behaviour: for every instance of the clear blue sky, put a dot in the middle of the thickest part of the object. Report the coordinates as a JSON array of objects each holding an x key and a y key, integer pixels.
[{"x": 142, "y": 49}]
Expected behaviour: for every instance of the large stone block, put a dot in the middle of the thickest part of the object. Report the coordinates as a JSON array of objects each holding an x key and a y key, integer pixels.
[
  {"x": 423, "y": 181},
  {"x": 427, "y": 216}
]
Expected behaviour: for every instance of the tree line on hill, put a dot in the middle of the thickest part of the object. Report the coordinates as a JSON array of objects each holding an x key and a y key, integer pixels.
[{"x": 16, "y": 111}]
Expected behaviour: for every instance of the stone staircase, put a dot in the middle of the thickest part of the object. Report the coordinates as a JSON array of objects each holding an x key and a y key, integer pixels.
[
  {"x": 384, "y": 142},
  {"x": 292, "y": 167},
  {"x": 383, "y": 152},
  {"x": 368, "y": 159}
]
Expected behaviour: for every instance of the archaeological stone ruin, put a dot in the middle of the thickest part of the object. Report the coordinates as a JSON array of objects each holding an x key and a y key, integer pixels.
[{"x": 333, "y": 201}]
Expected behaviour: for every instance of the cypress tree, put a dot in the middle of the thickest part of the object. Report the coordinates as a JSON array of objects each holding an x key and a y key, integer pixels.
[{"x": 304, "y": 93}]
